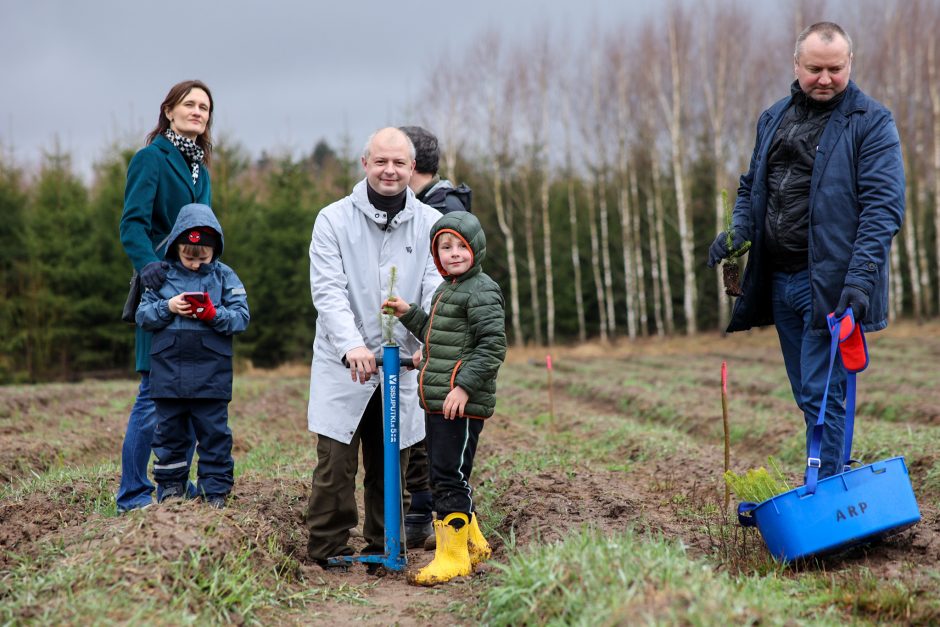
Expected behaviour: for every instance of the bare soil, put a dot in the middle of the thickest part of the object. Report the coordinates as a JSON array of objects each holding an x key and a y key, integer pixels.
[{"x": 678, "y": 495}]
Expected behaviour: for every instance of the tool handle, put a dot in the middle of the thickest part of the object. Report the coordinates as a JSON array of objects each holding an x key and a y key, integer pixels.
[{"x": 406, "y": 362}]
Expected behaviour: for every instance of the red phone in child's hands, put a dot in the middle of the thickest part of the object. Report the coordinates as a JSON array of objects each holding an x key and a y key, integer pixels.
[
  {"x": 197, "y": 300},
  {"x": 202, "y": 307}
]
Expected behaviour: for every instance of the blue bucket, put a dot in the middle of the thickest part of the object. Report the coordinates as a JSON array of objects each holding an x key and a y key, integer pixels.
[{"x": 850, "y": 508}]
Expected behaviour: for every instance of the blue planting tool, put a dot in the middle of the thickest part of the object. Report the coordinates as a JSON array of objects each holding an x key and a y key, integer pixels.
[{"x": 393, "y": 558}]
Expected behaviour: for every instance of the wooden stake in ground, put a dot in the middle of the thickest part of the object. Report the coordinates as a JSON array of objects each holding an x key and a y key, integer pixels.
[
  {"x": 724, "y": 420},
  {"x": 551, "y": 398}
]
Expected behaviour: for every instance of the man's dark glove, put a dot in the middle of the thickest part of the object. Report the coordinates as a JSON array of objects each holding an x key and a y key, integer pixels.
[
  {"x": 856, "y": 299},
  {"x": 719, "y": 248},
  {"x": 154, "y": 274}
]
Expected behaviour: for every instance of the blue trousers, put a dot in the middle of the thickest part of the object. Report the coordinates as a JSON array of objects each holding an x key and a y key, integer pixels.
[
  {"x": 135, "y": 489},
  {"x": 806, "y": 356},
  {"x": 176, "y": 419}
]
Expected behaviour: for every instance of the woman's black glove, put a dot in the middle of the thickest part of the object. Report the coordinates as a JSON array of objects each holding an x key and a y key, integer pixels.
[{"x": 154, "y": 274}]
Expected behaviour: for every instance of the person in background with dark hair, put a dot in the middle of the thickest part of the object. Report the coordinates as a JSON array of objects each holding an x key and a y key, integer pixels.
[
  {"x": 441, "y": 194},
  {"x": 170, "y": 172},
  {"x": 426, "y": 183},
  {"x": 821, "y": 202}
]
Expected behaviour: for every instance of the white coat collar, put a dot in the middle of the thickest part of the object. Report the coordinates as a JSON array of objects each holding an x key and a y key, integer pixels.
[{"x": 360, "y": 200}]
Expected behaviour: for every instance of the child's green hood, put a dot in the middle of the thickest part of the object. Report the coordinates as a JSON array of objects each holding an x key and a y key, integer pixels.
[{"x": 464, "y": 225}]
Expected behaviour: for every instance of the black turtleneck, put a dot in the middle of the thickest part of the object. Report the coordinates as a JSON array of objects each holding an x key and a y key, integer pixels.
[{"x": 391, "y": 205}]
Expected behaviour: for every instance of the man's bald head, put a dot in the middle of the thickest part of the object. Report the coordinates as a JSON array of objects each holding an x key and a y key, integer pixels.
[
  {"x": 389, "y": 161},
  {"x": 388, "y": 135}
]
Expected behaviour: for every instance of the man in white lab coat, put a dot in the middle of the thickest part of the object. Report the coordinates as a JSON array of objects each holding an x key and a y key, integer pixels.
[{"x": 356, "y": 242}]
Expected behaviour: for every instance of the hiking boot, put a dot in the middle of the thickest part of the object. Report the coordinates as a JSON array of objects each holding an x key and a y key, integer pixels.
[
  {"x": 418, "y": 520},
  {"x": 416, "y": 533},
  {"x": 216, "y": 501},
  {"x": 331, "y": 568},
  {"x": 172, "y": 491},
  {"x": 121, "y": 510}
]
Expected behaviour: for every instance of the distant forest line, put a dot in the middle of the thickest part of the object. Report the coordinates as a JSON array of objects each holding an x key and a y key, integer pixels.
[{"x": 597, "y": 169}]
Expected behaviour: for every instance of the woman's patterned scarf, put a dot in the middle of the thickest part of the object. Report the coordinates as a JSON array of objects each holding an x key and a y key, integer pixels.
[{"x": 190, "y": 149}]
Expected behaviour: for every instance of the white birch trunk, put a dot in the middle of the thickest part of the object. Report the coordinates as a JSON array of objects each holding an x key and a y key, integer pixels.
[
  {"x": 654, "y": 266},
  {"x": 600, "y": 138},
  {"x": 641, "y": 304},
  {"x": 573, "y": 221},
  {"x": 672, "y": 110},
  {"x": 547, "y": 258},
  {"x": 498, "y": 138},
  {"x": 625, "y": 210},
  {"x": 663, "y": 251},
  {"x": 934, "y": 83},
  {"x": 909, "y": 236},
  {"x": 529, "y": 235},
  {"x": 596, "y": 265}
]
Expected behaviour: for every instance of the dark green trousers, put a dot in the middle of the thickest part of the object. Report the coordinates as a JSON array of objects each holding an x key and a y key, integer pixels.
[{"x": 332, "y": 509}]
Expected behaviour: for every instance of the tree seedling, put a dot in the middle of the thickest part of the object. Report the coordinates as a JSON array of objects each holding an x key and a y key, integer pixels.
[
  {"x": 756, "y": 486},
  {"x": 731, "y": 267},
  {"x": 388, "y": 317}
]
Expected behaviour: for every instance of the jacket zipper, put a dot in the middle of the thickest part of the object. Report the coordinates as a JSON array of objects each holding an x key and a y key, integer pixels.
[{"x": 427, "y": 350}]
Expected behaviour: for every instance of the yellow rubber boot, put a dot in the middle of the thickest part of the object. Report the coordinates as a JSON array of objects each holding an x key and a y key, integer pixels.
[
  {"x": 477, "y": 545},
  {"x": 451, "y": 557}
]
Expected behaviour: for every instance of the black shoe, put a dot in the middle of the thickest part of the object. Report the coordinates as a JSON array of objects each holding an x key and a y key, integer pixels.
[
  {"x": 172, "y": 491},
  {"x": 216, "y": 501},
  {"x": 417, "y": 533},
  {"x": 331, "y": 568}
]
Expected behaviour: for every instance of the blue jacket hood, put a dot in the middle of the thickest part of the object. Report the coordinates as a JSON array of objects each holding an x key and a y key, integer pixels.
[{"x": 192, "y": 216}]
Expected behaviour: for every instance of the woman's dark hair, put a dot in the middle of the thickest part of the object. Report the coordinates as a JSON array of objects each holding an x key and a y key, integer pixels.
[{"x": 175, "y": 96}]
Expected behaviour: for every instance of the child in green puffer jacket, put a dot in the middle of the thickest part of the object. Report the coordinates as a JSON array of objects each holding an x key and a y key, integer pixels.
[{"x": 464, "y": 338}]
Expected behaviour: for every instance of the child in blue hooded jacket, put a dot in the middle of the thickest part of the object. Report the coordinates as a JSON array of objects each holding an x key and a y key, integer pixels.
[{"x": 193, "y": 317}]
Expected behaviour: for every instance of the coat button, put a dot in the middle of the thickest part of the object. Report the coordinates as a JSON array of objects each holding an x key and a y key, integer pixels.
[{"x": 871, "y": 266}]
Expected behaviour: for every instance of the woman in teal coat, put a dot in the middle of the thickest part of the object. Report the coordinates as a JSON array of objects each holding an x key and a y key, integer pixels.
[{"x": 170, "y": 172}]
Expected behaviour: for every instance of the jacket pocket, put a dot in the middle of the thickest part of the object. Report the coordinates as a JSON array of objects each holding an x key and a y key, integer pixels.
[
  {"x": 214, "y": 370},
  {"x": 453, "y": 374},
  {"x": 162, "y": 342},
  {"x": 217, "y": 344},
  {"x": 164, "y": 365}
]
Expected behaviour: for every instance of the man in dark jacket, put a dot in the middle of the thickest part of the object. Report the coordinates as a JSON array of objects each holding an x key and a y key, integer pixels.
[
  {"x": 426, "y": 183},
  {"x": 441, "y": 194},
  {"x": 821, "y": 201}
]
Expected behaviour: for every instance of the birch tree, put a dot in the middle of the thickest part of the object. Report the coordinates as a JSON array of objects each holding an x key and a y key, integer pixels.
[
  {"x": 600, "y": 147},
  {"x": 497, "y": 97},
  {"x": 671, "y": 102},
  {"x": 618, "y": 63},
  {"x": 933, "y": 82},
  {"x": 573, "y": 215},
  {"x": 720, "y": 51}
]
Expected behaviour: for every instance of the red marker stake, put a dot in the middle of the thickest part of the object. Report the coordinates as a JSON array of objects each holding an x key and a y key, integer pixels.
[{"x": 724, "y": 417}]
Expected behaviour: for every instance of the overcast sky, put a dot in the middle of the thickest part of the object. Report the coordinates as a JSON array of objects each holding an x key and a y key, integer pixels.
[{"x": 284, "y": 74}]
